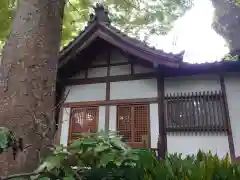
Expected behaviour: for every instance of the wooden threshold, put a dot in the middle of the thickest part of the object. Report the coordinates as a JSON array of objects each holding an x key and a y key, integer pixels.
[{"x": 111, "y": 102}]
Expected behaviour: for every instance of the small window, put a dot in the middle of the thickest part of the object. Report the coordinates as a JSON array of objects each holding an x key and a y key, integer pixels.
[
  {"x": 133, "y": 124},
  {"x": 196, "y": 112},
  {"x": 83, "y": 119}
]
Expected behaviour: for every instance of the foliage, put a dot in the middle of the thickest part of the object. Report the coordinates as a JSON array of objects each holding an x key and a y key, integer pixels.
[
  {"x": 100, "y": 156},
  {"x": 154, "y": 17},
  {"x": 9, "y": 140}
]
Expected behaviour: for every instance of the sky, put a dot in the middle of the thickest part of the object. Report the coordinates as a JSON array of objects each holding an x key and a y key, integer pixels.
[{"x": 194, "y": 34}]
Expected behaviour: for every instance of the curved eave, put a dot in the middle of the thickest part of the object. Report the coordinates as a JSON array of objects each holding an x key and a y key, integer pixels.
[{"x": 97, "y": 30}]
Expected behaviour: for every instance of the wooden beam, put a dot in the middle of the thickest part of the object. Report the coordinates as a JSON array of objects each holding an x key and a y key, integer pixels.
[
  {"x": 111, "y": 102},
  {"x": 230, "y": 136},
  {"x": 110, "y": 79},
  {"x": 107, "y": 65},
  {"x": 162, "y": 140}
]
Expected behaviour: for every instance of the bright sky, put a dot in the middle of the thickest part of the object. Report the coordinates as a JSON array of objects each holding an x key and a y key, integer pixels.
[{"x": 194, "y": 34}]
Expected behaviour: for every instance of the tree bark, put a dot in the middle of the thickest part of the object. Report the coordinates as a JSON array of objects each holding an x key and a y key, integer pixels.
[
  {"x": 227, "y": 22},
  {"x": 30, "y": 60}
]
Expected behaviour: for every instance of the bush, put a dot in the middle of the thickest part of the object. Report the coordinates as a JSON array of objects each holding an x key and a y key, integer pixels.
[{"x": 105, "y": 157}]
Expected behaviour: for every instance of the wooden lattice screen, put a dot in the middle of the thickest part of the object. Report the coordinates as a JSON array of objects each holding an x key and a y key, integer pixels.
[
  {"x": 196, "y": 112},
  {"x": 133, "y": 124},
  {"x": 83, "y": 119}
]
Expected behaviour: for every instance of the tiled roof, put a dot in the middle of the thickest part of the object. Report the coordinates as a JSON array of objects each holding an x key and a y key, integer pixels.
[{"x": 94, "y": 21}]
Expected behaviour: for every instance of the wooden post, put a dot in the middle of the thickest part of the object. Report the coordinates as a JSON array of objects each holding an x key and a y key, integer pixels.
[
  {"x": 162, "y": 139},
  {"x": 229, "y": 132}
]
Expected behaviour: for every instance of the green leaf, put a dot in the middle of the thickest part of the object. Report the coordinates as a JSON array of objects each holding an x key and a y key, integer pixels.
[
  {"x": 5, "y": 138},
  {"x": 69, "y": 178}
]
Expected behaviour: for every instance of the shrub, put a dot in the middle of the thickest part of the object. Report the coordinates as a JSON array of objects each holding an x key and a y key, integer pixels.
[{"x": 105, "y": 157}]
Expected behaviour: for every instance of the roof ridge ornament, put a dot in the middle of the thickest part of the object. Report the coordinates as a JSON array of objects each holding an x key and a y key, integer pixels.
[{"x": 100, "y": 15}]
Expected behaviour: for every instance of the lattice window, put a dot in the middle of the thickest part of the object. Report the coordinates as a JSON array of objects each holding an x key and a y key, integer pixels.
[
  {"x": 196, "y": 112},
  {"x": 133, "y": 124},
  {"x": 83, "y": 119}
]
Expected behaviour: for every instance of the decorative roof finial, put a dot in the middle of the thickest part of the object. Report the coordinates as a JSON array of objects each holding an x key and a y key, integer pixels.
[{"x": 101, "y": 14}]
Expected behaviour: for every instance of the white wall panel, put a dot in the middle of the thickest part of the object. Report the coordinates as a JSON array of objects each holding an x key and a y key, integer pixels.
[
  {"x": 187, "y": 144},
  {"x": 97, "y": 72},
  {"x": 154, "y": 124},
  {"x": 232, "y": 84},
  {"x": 120, "y": 70},
  {"x": 146, "y": 88},
  {"x": 192, "y": 84},
  {"x": 101, "y": 120},
  {"x": 87, "y": 92},
  {"x": 65, "y": 126},
  {"x": 113, "y": 118}
]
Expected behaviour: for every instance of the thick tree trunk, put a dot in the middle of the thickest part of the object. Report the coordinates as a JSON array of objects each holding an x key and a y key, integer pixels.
[
  {"x": 30, "y": 56},
  {"x": 227, "y": 22}
]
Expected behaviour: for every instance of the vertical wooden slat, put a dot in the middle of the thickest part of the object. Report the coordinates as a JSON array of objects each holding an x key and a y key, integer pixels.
[
  {"x": 132, "y": 69},
  {"x": 187, "y": 102},
  {"x": 178, "y": 111},
  {"x": 193, "y": 111},
  {"x": 230, "y": 137},
  {"x": 208, "y": 116},
  {"x": 211, "y": 116},
  {"x": 199, "y": 110},
  {"x": 171, "y": 111},
  {"x": 219, "y": 118},
  {"x": 223, "y": 112},
  {"x": 204, "y": 111}
]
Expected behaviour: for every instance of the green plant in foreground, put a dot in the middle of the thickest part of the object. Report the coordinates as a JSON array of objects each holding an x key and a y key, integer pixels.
[{"x": 105, "y": 157}]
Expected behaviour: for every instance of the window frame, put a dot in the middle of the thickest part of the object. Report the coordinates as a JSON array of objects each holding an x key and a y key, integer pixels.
[
  {"x": 148, "y": 138},
  {"x": 70, "y": 132},
  {"x": 205, "y": 100}
]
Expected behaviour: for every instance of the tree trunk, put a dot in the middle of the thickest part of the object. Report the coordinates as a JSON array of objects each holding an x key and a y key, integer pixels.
[
  {"x": 227, "y": 24},
  {"x": 30, "y": 60}
]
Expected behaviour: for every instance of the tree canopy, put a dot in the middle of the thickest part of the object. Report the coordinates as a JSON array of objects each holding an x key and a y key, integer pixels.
[{"x": 149, "y": 16}]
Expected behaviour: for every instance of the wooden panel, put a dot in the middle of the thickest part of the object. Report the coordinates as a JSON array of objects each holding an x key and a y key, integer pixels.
[
  {"x": 133, "y": 124},
  {"x": 83, "y": 119}
]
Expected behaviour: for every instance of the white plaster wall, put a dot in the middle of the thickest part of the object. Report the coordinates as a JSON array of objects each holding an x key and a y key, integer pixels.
[
  {"x": 101, "y": 120},
  {"x": 154, "y": 124},
  {"x": 232, "y": 83},
  {"x": 65, "y": 126},
  {"x": 97, "y": 72},
  {"x": 86, "y": 92},
  {"x": 120, "y": 70},
  {"x": 187, "y": 143},
  {"x": 112, "y": 118},
  {"x": 141, "y": 69},
  {"x": 146, "y": 88},
  {"x": 192, "y": 84},
  {"x": 190, "y": 144}
]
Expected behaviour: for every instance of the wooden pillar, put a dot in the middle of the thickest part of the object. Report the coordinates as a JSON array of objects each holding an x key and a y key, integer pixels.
[
  {"x": 162, "y": 139},
  {"x": 107, "y": 108},
  {"x": 229, "y": 133}
]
